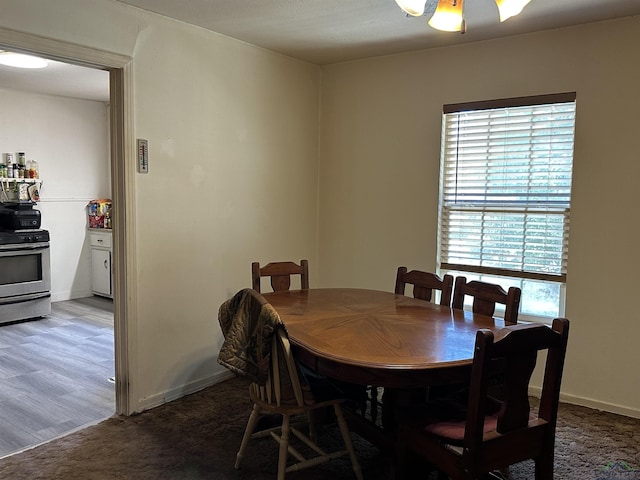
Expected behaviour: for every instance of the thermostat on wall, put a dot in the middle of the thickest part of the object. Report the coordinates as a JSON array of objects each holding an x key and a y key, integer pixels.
[{"x": 143, "y": 156}]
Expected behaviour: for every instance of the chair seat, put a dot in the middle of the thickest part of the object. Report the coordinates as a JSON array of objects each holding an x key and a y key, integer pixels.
[
  {"x": 445, "y": 417},
  {"x": 452, "y": 431}
]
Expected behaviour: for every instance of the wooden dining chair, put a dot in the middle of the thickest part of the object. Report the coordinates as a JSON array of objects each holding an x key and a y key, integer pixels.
[
  {"x": 469, "y": 439},
  {"x": 424, "y": 284},
  {"x": 486, "y": 296},
  {"x": 282, "y": 390},
  {"x": 280, "y": 273}
]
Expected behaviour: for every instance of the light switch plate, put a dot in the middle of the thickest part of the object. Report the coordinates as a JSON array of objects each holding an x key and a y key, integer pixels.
[{"x": 143, "y": 156}]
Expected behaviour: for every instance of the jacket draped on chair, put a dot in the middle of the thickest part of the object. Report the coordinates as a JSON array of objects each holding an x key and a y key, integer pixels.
[{"x": 247, "y": 346}]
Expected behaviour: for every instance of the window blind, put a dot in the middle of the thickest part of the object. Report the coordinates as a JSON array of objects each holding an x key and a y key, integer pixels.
[{"x": 506, "y": 188}]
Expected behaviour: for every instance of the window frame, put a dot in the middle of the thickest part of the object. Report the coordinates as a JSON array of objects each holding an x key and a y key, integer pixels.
[{"x": 522, "y": 276}]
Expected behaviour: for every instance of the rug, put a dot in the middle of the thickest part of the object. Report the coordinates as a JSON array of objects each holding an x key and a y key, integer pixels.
[{"x": 196, "y": 437}]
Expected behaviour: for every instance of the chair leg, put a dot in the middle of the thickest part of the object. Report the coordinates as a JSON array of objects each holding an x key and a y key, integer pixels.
[
  {"x": 251, "y": 426},
  {"x": 284, "y": 446},
  {"x": 346, "y": 436},
  {"x": 399, "y": 459},
  {"x": 544, "y": 467}
]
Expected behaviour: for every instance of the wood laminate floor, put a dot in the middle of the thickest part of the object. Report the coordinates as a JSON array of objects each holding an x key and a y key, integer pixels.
[{"x": 56, "y": 373}]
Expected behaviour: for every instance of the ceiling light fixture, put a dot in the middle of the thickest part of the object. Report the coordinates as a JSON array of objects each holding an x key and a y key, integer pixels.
[
  {"x": 510, "y": 8},
  {"x": 449, "y": 15},
  {"x": 21, "y": 60},
  {"x": 415, "y": 8}
]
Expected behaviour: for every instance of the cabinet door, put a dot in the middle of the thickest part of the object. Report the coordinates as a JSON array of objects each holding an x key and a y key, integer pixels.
[{"x": 101, "y": 271}]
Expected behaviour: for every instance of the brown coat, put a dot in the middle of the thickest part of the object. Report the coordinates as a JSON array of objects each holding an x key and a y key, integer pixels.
[{"x": 248, "y": 323}]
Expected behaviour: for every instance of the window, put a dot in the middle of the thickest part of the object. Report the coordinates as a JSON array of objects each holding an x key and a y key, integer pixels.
[{"x": 505, "y": 195}]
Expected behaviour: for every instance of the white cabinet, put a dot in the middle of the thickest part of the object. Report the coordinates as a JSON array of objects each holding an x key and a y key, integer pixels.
[{"x": 101, "y": 276}]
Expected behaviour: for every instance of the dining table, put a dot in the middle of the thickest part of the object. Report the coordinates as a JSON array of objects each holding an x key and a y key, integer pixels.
[{"x": 371, "y": 337}]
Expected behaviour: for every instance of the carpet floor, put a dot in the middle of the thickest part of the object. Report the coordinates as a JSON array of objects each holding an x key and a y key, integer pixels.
[{"x": 196, "y": 437}]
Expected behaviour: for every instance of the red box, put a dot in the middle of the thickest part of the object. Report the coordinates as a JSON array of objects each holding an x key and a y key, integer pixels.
[{"x": 96, "y": 221}]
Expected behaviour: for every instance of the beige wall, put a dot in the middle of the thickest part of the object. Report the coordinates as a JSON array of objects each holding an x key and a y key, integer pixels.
[
  {"x": 232, "y": 134},
  {"x": 233, "y": 142},
  {"x": 379, "y": 167}
]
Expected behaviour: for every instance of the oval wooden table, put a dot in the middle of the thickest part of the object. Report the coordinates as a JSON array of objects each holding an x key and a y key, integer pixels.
[
  {"x": 370, "y": 337},
  {"x": 373, "y": 337}
]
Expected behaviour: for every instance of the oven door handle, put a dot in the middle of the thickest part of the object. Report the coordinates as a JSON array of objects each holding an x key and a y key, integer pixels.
[
  {"x": 23, "y": 298},
  {"x": 17, "y": 247}
]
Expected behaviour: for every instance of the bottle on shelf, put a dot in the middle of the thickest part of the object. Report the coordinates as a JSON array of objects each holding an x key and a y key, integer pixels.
[{"x": 33, "y": 169}]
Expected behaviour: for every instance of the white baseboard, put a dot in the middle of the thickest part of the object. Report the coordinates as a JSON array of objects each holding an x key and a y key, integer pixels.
[
  {"x": 64, "y": 296},
  {"x": 181, "y": 391},
  {"x": 591, "y": 403}
]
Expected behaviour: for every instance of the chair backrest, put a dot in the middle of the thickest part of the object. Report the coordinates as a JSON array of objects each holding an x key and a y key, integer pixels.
[
  {"x": 514, "y": 350},
  {"x": 284, "y": 386},
  {"x": 280, "y": 273},
  {"x": 424, "y": 283},
  {"x": 485, "y": 296}
]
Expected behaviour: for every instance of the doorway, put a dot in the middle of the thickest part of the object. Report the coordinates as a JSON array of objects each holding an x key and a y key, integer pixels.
[{"x": 122, "y": 173}]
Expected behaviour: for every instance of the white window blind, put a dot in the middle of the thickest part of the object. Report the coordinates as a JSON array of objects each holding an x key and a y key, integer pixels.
[{"x": 506, "y": 187}]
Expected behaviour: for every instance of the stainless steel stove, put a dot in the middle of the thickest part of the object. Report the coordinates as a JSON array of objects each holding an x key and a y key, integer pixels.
[{"x": 25, "y": 274}]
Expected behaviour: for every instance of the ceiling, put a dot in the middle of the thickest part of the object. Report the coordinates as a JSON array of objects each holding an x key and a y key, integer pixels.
[
  {"x": 331, "y": 31},
  {"x": 58, "y": 79},
  {"x": 326, "y": 31}
]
